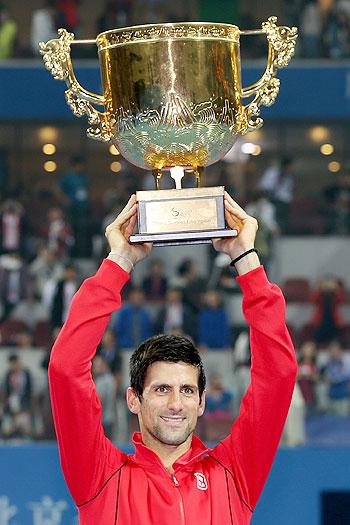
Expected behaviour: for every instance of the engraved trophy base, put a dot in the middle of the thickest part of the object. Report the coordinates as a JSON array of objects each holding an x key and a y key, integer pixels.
[{"x": 181, "y": 216}]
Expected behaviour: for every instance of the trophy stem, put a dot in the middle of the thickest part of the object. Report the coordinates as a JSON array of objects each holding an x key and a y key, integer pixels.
[
  {"x": 198, "y": 171},
  {"x": 157, "y": 174}
]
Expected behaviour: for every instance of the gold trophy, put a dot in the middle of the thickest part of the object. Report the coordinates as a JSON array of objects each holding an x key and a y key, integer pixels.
[{"x": 173, "y": 100}]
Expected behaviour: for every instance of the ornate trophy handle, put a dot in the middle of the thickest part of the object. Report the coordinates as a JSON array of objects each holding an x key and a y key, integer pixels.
[
  {"x": 281, "y": 41},
  {"x": 57, "y": 59}
]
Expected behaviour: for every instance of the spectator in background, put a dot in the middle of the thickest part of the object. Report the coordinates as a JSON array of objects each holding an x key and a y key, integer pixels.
[
  {"x": 218, "y": 400},
  {"x": 192, "y": 284},
  {"x": 67, "y": 14},
  {"x": 8, "y": 33},
  {"x": 337, "y": 199},
  {"x": 308, "y": 375},
  {"x": 311, "y": 29},
  {"x": 59, "y": 234},
  {"x": 15, "y": 282},
  {"x": 106, "y": 390},
  {"x": 17, "y": 397},
  {"x": 217, "y": 418},
  {"x": 75, "y": 187},
  {"x": 294, "y": 428},
  {"x": 278, "y": 183},
  {"x": 11, "y": 226},
  {"x": 63, "y": 295},
  {"x": 175, "y": 315},
  {"x": 337, "y": 374},
  {"x": 116, "y": 13},
  {"x": 155, "y": 284},
  {"x": 29, "y": 310},
  {"x": 43, "y": 25},
  {"x": 213, "y": 323},
  {"x": 336, "y": 34},
  {"x": 23, "y": 339},
  {"x": 133, "y": 322},
  {"x": 327, "y": 321},
  {"x": 45, "y": 268},
  {"x": 108, "y": 349},
  {"x": 264, "y": 211}
]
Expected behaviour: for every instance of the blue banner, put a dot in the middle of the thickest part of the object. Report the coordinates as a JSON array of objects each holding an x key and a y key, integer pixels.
[
  {"x": 33, "y": 491},
  {"x": 316, "y": 90}
]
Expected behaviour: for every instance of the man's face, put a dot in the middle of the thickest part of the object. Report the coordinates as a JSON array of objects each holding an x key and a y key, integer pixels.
[{"x": 170, "y": 405}]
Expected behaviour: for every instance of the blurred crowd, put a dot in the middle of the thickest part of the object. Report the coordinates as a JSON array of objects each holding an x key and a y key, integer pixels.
[
  {"x": 50, "y": 242},
  {"x": 324, "y": 26}
]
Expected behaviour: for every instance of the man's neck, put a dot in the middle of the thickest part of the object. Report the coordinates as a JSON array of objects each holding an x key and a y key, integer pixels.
[{"x": 168, "y": 454}]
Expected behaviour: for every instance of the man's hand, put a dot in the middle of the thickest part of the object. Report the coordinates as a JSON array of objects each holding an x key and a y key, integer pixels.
[
  {"x": 235, "y": 246},
  {"x": 118, "y": 235}
]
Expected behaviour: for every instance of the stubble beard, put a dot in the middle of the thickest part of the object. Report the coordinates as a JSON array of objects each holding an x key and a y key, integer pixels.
[{"x": 172, "y": 437}]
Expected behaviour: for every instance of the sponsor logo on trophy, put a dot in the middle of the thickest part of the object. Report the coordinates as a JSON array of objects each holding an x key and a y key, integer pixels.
[{"x": 173, "y": 100}]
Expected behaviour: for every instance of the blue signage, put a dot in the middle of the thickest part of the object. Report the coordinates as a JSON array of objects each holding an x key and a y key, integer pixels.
[{"x": 315, "y": 90}]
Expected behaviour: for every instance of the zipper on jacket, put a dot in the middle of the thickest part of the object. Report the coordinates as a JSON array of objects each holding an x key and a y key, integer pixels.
[{"x": 182, "y": 512}]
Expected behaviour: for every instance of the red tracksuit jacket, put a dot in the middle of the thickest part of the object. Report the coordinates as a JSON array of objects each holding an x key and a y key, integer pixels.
[{"x": 218, "y": 486}]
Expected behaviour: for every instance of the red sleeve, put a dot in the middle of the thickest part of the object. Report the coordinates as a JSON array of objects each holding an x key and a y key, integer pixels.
[
  {"x": 88, "y": 458},
  {"x": 248, "y": 452}
]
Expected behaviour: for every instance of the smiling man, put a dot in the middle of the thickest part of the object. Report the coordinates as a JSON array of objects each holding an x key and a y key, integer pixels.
[{"x": 172, "y": 479}]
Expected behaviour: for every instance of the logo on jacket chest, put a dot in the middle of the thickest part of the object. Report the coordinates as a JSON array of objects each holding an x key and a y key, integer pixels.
[{"x": 202, "y": 483}]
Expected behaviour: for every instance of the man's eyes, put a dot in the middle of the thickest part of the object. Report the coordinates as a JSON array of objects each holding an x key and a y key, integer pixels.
[{"x": 164, "y": 389}]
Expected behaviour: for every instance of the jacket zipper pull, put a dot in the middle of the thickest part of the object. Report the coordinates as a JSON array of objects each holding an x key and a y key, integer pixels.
[{"x": 175, "y": 481}]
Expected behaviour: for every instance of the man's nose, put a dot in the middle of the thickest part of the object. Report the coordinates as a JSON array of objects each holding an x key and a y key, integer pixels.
[{"x": 174, "y": 401}]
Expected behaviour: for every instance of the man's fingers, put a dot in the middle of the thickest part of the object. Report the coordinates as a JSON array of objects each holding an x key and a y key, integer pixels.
[
  {"x": 130, "y": 226},
  {"x": 236, "y": 211},
  {"x": 236, "y": 207},
  {"x": 123, "y": 216}
]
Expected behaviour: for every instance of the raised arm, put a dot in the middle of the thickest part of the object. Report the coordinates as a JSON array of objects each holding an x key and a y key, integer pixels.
[
  {"x": 88, "y": 458},
  {"x": 249, "y": 450}
]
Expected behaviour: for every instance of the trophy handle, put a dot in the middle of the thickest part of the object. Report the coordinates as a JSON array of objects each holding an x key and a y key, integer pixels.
[
  {"x": 57, "y": 59},
  {"x": 281, "y": 40}
]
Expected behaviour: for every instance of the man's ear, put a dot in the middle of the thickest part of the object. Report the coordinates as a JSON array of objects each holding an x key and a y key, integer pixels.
[
  {"x": 201, "y": 406},
  {"x": 132, "y": 400}
]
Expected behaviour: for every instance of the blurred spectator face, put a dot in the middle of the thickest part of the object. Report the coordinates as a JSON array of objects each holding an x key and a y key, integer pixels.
[
  {"x": 335, "y": 350},
  {"x": 12, "y": 206},
  {"x": 212, "y": 299},
  {"x": 24, "y": 339},
  {"x": 14, "y": 363},
  {"x": 215, "y": 383},
  {"x": 186, "y": 268},
  {"x": 308, "y": 350},
  {"x": 99, "y": 366},
  {"x": 136, "y": 297},
  {"x": 70, "y": 274},
  {"x": 328, "y": 284},
  {"x": 108, "y": 339},
  {"x": 174, "y": 296},
  {"x": 55, "y": 214},
  {"x": 157, "y": 268},
  {"x": 4, "y": 16}
]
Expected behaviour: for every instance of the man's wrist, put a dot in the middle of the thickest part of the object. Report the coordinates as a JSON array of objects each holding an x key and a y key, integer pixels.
[
  {"x": 122, "y": 260},
  {"x": 247, "y": 263}
]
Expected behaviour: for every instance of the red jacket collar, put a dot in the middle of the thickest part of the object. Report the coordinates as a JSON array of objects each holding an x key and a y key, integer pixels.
[{"x": 146, "y": 457}]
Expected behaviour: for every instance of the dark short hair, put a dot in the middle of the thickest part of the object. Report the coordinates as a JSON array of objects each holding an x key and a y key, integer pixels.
[{"x": 169, "y": 348}]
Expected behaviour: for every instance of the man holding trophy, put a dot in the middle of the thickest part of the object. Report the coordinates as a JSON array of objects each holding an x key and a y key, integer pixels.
[{"x": 172, "y": 101}]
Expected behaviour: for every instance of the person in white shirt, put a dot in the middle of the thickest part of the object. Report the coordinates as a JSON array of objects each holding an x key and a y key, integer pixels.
[{"x": 278, "y": 183}]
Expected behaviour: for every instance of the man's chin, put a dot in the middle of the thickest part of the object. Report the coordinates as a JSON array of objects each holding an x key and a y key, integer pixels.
[{"x": 173, "y": 437}]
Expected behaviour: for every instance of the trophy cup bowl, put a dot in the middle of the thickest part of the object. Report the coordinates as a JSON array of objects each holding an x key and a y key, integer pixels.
[{"x": 173, "y": 100}]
